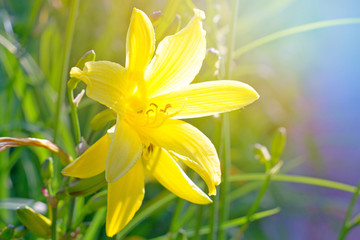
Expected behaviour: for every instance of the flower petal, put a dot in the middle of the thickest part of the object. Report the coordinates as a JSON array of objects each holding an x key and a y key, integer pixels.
[
  {"x": 186, "y": 142},
  {"x": 178, "y": 58},
  {"x": 208, "y": 98},
  {"x": 140, "y": 42},
  {"x": 124, "y": 199},
  {"x": 105, "y": 82},
  {"x": 171, "y": 176},
  {"x": 92, "y": 161},
  {"x": 125, "y": 150}
]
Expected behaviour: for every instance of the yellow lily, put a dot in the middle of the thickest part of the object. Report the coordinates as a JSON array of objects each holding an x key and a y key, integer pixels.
[{"x": 149, "y": 96}]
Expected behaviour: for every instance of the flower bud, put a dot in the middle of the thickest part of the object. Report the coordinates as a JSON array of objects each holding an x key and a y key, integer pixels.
[
  {"x": 278, "y": 144},
  {"x": 261, "y": 152},
  {"x": 47, "y": 169},
  {"x": 97, "y": 201},
  {"x": 86, "y": 186},
  {"x": 101, "y": 119},
  {"x": 20, "y": 231},
  {"x": 7, "y": 232},
  {"x": 35, "y": 222},
  {"x": 87, "y": 57}
]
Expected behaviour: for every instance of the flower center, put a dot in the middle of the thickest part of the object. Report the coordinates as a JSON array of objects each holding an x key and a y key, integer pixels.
[{"x": 153, "y": 116}]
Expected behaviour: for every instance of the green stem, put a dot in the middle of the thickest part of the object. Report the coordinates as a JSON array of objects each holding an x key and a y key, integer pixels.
[
  {"x": 70, "y": 217},
  {"x": 295, "y": 179},
  {"x": 346, "y": 226},
  {"x": 292, "y": 31},
  {"x": 231, "y": 223},
  {"x": 198, "y": 222},
  {"x": 213, "y": 224},
  {"x": 226, "y": 160},
  {"x": 74, "y": 117},
  {"x": 66, "y": 60},
  {"x": 255, "y": 205},
  {"x": 53, "y": 223},
  {"x": 174, "y": 221}
]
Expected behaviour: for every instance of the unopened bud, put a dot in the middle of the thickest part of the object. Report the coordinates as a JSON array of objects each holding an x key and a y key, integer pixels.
[
  {"x": 97, "y": 201},
  {"x": 20, "y": 231},
  {"x": 47, "y": 169},
  {"x": 86, "y": 186},
  {"x": 38, "y": 224},
  {"x": 261, "y": 152},
  {"x": 278, "y": 144},
  {"x": 87, "y": 57},
  {"x": 7, "y": 232},
  {"x": 101, "y": 119}
]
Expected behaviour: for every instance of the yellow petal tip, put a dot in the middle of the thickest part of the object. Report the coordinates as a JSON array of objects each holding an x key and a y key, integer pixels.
[
  {"x": 199, "y": 13},
  {"x": 75, "y": 72}
]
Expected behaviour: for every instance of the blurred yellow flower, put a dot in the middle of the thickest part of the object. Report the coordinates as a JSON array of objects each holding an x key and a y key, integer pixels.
[{"x": 149, "y": 95}]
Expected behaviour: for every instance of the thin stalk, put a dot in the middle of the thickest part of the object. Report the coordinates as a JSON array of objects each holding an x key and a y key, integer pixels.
[
  {"x": 66, "y": 60},
  {"x": 295, "y": 179},
  {"x": 53, "y": 222},
  {"x": 198, "y": 222},
  {"x": 174, "y": 221},
  {"x": 292, "y": 31},
  {"x": 255, "y": 205},
  {"x": 346, "y": 225},
  {"x": 74, "y": 117},
  {"x": 231, "y": 223},
  {"x": 213, "y": 216},
  {"x": 213, "y": 223},
  {"x": 226, "y": 160},
  {"x": 70, "y": 217}
]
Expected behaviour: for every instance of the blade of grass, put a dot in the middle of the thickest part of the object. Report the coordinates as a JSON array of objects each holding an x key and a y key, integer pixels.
[
  {"x": 346, "y": 225},
  {"x": 228, "y": 224},
  {"x": 295, "y": 179},
  {"x": 97, "y": 222},
  {"x": 292, "y": 31},
  {"x": 226, "y": 160},
  {"x": 65, "y": 67}
]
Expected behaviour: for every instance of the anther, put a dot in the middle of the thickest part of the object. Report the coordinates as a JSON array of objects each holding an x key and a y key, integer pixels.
[
  {"x": 148, "y": 111},
  {"x": 153, "y": 104}
]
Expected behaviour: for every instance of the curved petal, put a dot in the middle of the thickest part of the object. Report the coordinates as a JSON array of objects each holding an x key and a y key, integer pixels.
[
  {"x": 104, "y": 82},
  {"x": 178, "y": 58},
  {"x": 125, "y": 150},
  {"x": 190, "y": 145},
  {"x": 91, "y": 162},
  {"x": 171, "y": 176},
  {"x": 208, "y": 98},
  {"x": 124, "y": 199},
  {"x": 140, "y": 42}
]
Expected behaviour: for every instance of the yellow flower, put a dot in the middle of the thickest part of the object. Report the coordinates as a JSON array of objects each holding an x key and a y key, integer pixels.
[{"x": 149, "y": 95}]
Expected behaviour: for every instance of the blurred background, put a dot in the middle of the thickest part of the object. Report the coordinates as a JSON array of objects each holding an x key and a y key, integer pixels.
[{"x": 309, "y": 83}]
